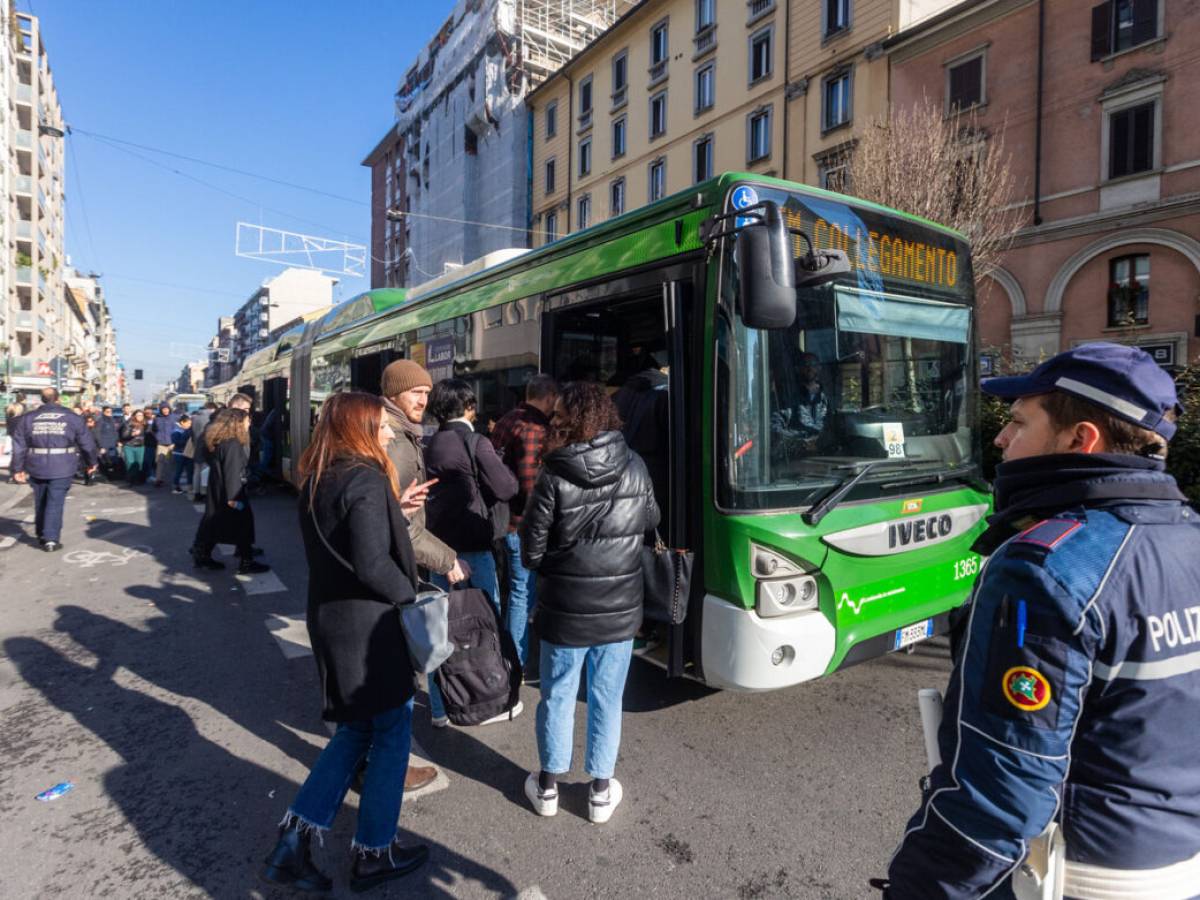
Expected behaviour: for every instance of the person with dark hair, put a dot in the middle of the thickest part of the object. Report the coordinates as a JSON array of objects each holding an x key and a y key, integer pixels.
[
  {"x": 181, "y": 437},
  {"x": 200, "y": 421},
  {"x": 84, "y": 471},
  {"x": 133, "y": 447},
  {"x": 361, "y": 570},
  {"x": 1076, "y": 689},
  {"x": 108, "y": 433},
  {"x": 47, "y": 446},
  {"x": 520, "y": 439},
  {"x": 227, "y": 518},
  {"x": 470, "y": 482},
  {"x": 163, "y": 426},
  {"x": 582, "y": 533},
  {"x": 644, "y": 404}
]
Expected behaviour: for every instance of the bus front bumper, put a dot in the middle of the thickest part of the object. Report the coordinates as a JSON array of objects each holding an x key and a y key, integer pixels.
[{"x": 741, "y": 651}]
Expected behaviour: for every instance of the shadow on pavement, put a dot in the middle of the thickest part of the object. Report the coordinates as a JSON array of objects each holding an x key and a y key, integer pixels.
[{"x": 207, "y": 813}]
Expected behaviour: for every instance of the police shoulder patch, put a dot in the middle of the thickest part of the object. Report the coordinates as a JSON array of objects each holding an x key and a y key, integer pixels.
[
  {"x": 1048, "y": 533},
  {"x": 1026, "y": 688}
]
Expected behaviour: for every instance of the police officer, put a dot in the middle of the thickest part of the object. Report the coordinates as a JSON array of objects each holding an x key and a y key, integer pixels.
[
  {"x": 46, "y": 450},
  {"x": 1076, "y": 694}
]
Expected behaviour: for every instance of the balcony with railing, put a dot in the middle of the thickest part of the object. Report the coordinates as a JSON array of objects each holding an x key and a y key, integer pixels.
[
  {"x": 24, "y": 229},
  {"x": 23, "y": 140},
  {"x": 24, "y": 275},
  {"x": 658, "y": 72},
  {"x": 759, "y": 8},
  {"x": 23, "y": 184},
  {"x": 24, "y": 93},
  {"x": 24, "y": 320},
  {"x": 705, "y": 39}
]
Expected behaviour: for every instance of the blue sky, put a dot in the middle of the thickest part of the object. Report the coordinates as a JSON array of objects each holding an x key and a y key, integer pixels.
[{"x": 293, "y": 89}]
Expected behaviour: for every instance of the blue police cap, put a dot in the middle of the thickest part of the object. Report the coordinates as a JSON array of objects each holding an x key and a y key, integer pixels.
[{"x": 1125, "y": 381}]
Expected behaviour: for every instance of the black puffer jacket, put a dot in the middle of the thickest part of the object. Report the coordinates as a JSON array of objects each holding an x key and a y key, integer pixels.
[{"x": 582, "y": 533}]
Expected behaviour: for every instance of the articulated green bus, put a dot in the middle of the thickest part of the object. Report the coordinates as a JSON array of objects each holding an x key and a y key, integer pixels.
[{"x": 820, "y": 448}]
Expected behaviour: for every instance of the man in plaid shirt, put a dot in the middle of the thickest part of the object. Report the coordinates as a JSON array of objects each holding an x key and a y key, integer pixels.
[{"x": 520, "y": 439}]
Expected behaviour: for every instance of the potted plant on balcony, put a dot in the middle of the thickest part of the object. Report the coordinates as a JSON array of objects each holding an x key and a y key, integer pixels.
[{"x": 24, "y": 260}]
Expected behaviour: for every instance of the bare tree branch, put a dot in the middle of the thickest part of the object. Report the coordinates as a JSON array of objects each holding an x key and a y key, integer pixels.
[{"x": 948, "y": 169}]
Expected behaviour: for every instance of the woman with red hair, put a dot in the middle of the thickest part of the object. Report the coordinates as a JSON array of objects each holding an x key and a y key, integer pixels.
[{"x": 361, "y": 569}]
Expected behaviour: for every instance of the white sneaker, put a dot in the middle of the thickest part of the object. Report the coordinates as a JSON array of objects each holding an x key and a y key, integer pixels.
[
  {"x": 506, "y": 716},
  {"x": 545, "y": 803},
  {"x": 601, "y": 806},
  {"x": 440, "y": 721}
]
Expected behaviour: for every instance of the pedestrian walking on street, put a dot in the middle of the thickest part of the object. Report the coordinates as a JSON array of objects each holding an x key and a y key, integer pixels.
[
  {"x": 181, "y": 439},
  {"x": 351, "y": 509},
  {"x": 133, "y": 447},
  {"x": 86, "y": 472},
  {"x": 227, "y": 518},
  {"x": 163, "y": 426},
  {"x": 1075, "y": 694},
  {"x": 199, "y": 463},
  {"x": 471, "y": 482},
  {"x": 47, "y": 447},
  {"x": 520, "y": 439},
  {"x": 108, "y": 434},
  {"x": 582, "y": 533}
]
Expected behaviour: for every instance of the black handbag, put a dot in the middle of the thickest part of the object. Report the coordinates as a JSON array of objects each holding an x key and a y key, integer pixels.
[
  {"x": 498, "y": 515},
  {"x": 666, "y": 580}
]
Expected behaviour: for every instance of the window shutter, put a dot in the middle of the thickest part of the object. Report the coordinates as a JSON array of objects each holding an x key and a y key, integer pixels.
[
  {"x": 1102, "y": 30},
  {"x": 1145, "y": 21}
]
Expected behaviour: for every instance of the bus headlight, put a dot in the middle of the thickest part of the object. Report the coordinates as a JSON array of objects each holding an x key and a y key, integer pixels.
[
  {"x": 783, "y": 596},
  {"x": 766, "y": 563}
]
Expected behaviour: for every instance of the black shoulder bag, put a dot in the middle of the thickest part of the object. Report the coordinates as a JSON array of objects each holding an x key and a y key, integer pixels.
[
  {"x": 498, "y": 514},
  {"x": 666, "y": 581}
]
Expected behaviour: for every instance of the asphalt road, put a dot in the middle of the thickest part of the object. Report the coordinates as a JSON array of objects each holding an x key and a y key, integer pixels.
[{"x": 183, "y": 708}]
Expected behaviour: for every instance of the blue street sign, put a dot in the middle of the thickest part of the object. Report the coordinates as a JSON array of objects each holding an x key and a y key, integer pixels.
[{"x": 743, "y": 197}]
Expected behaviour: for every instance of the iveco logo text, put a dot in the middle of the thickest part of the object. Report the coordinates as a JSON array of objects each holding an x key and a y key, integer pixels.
[
  {"x": 908, "y": 533},
  {"x": 918, "y": 531}
]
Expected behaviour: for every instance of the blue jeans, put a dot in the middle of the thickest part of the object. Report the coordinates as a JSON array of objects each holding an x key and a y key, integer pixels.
[
  {"x": 522, "y": 595},
  {"x": 483, "y": 576},
  {"x": 384, "y": 742},
  {"x": 607, "y": 666},
  {"x": 49, "y": 495},
  {"x": 182, "y": 464}
]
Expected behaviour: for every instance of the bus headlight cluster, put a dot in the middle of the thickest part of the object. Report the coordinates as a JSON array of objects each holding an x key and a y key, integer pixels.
[{"x": 779, "y": 597}]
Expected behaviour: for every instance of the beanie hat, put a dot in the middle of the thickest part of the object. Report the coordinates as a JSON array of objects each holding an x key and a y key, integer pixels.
[{"x": 403, "y": 375}]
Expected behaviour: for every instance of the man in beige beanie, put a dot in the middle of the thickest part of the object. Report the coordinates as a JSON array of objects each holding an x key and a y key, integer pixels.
[{"x": 405, "y": 387}]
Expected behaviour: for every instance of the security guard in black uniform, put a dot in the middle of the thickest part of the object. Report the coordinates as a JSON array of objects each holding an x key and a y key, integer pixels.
[{"x": 46, "y": 448}]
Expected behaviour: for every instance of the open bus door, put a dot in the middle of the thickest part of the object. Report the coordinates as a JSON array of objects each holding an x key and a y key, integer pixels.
[
  {"x": 638, "y": 331},
  {"x": 275, "y": 435}
]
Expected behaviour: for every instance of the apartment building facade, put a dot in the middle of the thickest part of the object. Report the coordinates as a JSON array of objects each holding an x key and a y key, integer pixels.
[
  {"x": 388, "y": 235},
  {"x": 39, "y": 311},
  {"x": 679, "y": 90},
  {"x": 288, "y": 296},
  {"x": 1106, "y": 159}
]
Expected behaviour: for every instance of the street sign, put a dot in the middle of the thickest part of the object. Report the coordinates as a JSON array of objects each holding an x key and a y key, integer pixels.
[
  {"x": 743, "y": 197},
  {"x": 1164, "y": 354},
  {"x": 43, "y": 368}
]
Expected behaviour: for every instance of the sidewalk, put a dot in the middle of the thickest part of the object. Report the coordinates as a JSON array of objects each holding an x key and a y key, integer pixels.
[{"x": 10, "y": 493}]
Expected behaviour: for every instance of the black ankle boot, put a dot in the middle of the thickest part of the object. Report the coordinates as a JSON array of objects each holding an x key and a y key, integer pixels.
[
  {"x": 205, "y": 560},
  {"x": 291, "y": 862},
  {"x": 370, "y": 869}
]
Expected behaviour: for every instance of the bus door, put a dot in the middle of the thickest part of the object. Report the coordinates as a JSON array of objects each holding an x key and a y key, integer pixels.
[
  {"x": 366, "y": 368},
  {"x": 275, "y": 423},
  {"x": 637, "y": 344},
  {"x": 300, "y": 418}
]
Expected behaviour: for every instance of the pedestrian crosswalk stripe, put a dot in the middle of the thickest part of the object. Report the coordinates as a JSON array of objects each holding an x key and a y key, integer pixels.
[
  {"x": 291, "y": 633},
  {"x": 265, "y": 583}
]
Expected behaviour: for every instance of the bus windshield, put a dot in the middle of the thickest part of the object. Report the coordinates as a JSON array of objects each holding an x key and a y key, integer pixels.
[{"x": 875, "y": 368}]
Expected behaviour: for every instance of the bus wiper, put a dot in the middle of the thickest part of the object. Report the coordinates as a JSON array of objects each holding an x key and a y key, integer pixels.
[
  {"x": 823, "y": 506},
  {"x": 969, "y": 476}
]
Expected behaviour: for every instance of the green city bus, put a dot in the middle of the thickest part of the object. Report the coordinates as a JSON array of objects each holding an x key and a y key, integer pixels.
[{"x": 819, "y": 445}]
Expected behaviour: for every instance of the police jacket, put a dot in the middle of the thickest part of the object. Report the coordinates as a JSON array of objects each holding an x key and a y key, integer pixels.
[
  {"x": 582, "y": 533},
  {"x": 1077, "y": 692},
  {"x": 48, "y": 441}
]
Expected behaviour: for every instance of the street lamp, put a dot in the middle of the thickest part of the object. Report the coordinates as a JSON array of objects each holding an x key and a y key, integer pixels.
[{"x": 50, "y": 130}]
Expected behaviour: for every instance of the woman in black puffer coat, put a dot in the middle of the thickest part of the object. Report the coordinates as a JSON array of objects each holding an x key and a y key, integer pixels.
[{"x": 582, "y": 532}]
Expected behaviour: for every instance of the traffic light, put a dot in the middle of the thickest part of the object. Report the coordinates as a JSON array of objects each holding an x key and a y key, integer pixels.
[{"x": 137, "y": 374}]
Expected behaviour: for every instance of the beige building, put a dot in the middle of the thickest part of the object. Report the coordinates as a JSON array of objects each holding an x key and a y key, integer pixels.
[
  {"x": 41, "y": 313},
  {"x": 679, "y": 90}
]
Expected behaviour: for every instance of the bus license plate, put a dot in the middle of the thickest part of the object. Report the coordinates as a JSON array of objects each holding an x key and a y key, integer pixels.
[{"x": 910, "y": 634}]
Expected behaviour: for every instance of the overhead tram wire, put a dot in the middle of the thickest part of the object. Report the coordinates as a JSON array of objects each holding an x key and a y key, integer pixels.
[
  {"x": 87, "y": 225},
  {"x": 121, "y": 144}
]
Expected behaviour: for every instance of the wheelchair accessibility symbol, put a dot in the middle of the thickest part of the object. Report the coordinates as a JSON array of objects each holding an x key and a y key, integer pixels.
[{"x": 743, "y": 197}]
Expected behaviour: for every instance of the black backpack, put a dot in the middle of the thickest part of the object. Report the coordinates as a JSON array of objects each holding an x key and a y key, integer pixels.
[{"x": 482, "y": 677}]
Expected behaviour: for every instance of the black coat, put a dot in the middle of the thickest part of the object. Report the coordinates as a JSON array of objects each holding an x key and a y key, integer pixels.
[
  {"x": 457, "y": 511},
  {"x": 582, "y": 533},
  {"x": 353, "y": 620},
  {"x": 227, "y": 481}
]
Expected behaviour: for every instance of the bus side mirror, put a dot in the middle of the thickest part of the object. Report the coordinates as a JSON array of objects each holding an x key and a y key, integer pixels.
[
  {"x": 820, "y": 267},
  {"x": 766, "y": 289}
]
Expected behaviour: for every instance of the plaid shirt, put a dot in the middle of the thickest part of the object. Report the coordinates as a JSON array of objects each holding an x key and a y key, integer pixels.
[{"x": 520, "y": 439}]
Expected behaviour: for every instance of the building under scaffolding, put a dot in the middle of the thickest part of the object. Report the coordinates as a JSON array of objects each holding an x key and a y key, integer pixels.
[{"x": 455, "y": 162}]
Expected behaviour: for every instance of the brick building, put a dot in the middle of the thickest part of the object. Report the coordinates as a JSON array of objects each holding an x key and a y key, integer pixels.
[{"x": 1110, "y": 203}]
